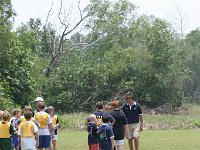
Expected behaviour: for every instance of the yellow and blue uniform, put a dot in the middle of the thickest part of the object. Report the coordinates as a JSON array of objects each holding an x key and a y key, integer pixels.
[
  {"x": 55, "y": 121},
  {"x": 43, "y": 119},
  {"x": 14, "y": 138},
  {"x": 6, "y": 129}
]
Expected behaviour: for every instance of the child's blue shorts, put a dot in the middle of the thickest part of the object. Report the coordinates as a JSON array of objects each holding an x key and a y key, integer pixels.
[
  {"x": 44, "y": 141},
  {"x": 14, "y": 141}
]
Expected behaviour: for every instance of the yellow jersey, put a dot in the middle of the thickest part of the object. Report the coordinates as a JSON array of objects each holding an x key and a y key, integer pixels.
[
  {"x": 4, "y": 129},
  {"x": 22, "y": 119},
  {"x": 27, "y": 129},
  {"x": 54, "y": 120},
  {"x": 42, "y": 119}
]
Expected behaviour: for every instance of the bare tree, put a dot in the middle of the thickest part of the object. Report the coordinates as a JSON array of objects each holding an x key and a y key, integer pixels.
[
  {"x": 179, "y": 20},
  {"x": 57, "y": 46}
]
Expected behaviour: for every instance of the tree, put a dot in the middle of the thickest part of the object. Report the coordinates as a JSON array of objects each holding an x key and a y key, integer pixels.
[
  {"x": 165, "y": 80},
  {"x": 193, "y": 52},
  {"x": 15, "y": 62}
]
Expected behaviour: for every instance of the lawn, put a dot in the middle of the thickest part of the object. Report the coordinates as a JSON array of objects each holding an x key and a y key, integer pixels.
[{"x": 150, "y": 140}]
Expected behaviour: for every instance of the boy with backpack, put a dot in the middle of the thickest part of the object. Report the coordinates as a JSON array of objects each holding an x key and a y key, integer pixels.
[{"x": 106, "y": 136}]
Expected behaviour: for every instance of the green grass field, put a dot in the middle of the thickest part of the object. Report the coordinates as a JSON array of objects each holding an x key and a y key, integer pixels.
[{"x": 150, "y": 140}]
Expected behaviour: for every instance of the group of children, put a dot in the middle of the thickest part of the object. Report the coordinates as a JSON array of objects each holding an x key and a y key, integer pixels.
[
  {"x": 30, "y": 131},
  {"x": 106, "y": 127}
]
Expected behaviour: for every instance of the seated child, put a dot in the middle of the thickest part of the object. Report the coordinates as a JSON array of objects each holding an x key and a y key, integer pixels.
[
  {"x": 106, "y": 136},
  {"x": 6, "y": 129},
  {"x": 93, "y": 142},
  {"x": 56, "y": 125},
  {"x": 28, "y": 133}
]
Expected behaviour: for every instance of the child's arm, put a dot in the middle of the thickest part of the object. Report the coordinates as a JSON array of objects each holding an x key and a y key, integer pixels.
[
  {"x": 125, "y": 129},
  {"x": 50, "y": 126},
  {"x": 111, "y": 135},
  {"x": 37, "y": 139},
  {"x": 19, "y": 134},
  {"x": 36, "y": 135}
]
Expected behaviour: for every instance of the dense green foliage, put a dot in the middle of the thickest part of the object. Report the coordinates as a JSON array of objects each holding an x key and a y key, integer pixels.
[
  {"x": 16, "y": 84},
  {"x": 116, "y": 52}
]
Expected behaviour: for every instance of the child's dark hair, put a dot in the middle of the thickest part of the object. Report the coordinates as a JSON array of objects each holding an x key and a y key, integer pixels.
[
  {"x": 27, "y": 115},
  {"x": 105, "y": 119},
  {"x": 99, "y": 105}
]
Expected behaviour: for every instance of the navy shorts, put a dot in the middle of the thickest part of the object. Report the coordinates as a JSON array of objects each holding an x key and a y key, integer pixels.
[
  {"x": 44, "y": 141},
  {"x": 14, "y": 142}
]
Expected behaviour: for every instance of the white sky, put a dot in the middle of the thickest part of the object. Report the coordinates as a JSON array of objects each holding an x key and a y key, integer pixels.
[{"x": 165, "y": 9}]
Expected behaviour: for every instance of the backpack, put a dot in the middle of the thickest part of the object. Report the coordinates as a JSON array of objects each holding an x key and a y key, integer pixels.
[{"x": 103, "y": 135}]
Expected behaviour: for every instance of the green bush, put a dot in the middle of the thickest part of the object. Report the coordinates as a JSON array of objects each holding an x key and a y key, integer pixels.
[{"x": 197, "y": 123}]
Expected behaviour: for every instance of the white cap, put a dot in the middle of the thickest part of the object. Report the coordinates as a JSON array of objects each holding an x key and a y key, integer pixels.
[{"x": 38, "y": 99}]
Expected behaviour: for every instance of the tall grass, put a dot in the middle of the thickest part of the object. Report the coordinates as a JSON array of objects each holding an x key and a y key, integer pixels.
[
  {"x": 73, "y": 121},
  {"x": 189, "y": 120}
]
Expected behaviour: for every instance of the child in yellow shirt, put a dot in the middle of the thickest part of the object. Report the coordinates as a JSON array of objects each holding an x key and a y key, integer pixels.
[
  {"x": 56, "y": 125},
  {"x": 44, "y": 121},
  {"x": 28, "y": 133},
  {"x": 6, "y": 130}
]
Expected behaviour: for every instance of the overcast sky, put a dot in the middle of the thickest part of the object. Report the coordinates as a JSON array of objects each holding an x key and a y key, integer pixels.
[{"x": 165, "y": 9}]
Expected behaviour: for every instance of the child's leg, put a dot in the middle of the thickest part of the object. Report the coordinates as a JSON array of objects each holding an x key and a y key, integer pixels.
[
  {"x": 119, "y": 147},
  {"x": 54, "y": 142},
  {"x": 16, "y": 147},
  {"x": 47, "y": 141}
]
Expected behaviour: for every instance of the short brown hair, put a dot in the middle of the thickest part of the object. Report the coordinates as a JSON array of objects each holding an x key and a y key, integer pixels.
[
  {"x": 28, "y": 108},
  {"x": 6, "y": 116},
  {"x": 129, "y": 94},
  {"x": 99, "y": 105},
  {"x": 16, "y": 111},
  {"x": 28, "y": 115},
  {"x": 51, "y": 108}
]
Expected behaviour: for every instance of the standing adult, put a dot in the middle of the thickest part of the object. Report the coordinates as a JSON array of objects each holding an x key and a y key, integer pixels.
[
  {"x": 37, "y": 101},
  {"x": 134, "y": 117},
  {"x": 120, "y": 125}
]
